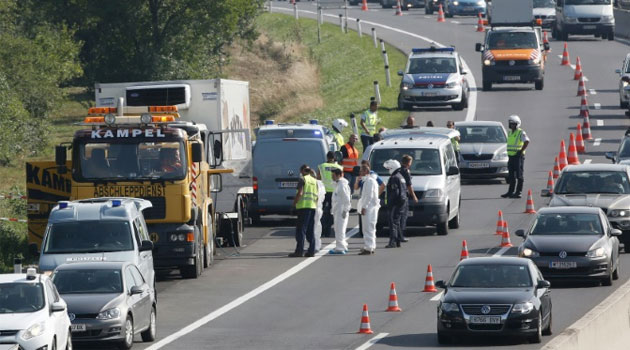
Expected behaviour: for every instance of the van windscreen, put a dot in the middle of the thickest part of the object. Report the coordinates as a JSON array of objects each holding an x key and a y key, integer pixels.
[
  {"x": 281, "y": 153},
  {"x": 424, "y": 161},
  {"x": 88, "y": 237}
]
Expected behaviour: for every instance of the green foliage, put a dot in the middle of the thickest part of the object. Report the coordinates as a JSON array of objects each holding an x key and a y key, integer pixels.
[{"x": 13, "y": 244}]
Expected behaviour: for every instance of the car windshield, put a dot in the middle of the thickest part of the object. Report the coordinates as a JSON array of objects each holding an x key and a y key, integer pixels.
[
  {"x": 567, "y": 224},
  {"x": 271, "y": 155},
  {"x": 481, "y": 134},
  {"x": 134, "y": 161},
  {"x": 88, "y": 237},
  {"x": 512, "y": 40},
  {"x": 422, "y": 65},
  {"x": 88, "y": 281},
  {"x": 21, "y": 297},
  {"x": 587, "y": 2},
  {"x": 544, "y": 3},
  {"x": 615, "y": 182},
  {"x": 491, "y": 276},
  {"x": 624, "y": 150},
  {"x": 424, "y": 161}
]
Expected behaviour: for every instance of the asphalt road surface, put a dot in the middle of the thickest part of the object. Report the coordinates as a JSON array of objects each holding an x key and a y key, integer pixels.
[{"x": 257, "y": 298}]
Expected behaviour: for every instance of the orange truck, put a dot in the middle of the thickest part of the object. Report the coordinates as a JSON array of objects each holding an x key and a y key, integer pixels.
[{"x": 513, "y": 50}]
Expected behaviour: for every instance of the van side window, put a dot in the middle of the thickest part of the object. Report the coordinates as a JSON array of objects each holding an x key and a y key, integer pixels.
[
  {"x": 450, "y": 156},
  {"x": 136, "y": 232},
  {"x": 137, "y": 276},
  {"x": 129, "y": 279},
  {"x": 53, "y": 297},
  {"x": 142, "y": 230}
]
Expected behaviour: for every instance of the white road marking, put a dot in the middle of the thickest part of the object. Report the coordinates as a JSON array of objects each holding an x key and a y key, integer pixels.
[
  {"x": 244, "y": 298},
  {"x": 560, "y": 57},
  {"x": 597, "y": 142},
  {"x": 500, "y": 252},
  {"x": 455, "y": 22},
  {"x": 472, "y": 97},
  {"x": 437, "y": 296},
  {"x": 372, "y": 341},
  {"x": 427, "y": 16},
  {"x": 600, "y": 122},
  {"x": 592, "y": 91},
  {"x": 597, "y": 105},
  {"x": 572, "y": 65},
  {"x": 587, "y": 161},
  {"x": 585, "y": 78}
]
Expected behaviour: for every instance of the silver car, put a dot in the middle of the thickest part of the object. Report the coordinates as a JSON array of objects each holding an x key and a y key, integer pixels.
[
  {"x": 483, "y": 149},
  {"x": 622, "y": 156},
  {"x": 600, "y": 185},
  {"x": 624, "y": 83},
  {"x": 107, "y": 302}
]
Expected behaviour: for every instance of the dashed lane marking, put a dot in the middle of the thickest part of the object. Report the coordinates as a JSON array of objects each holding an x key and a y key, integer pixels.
[
  {"x": 372, "y": 341},
  {"x": 587, "y": 161},
  {"x": 600, "y": 122},
  {"x": 597, "y": 105},
  {"x": 427, "y": 17},
  {"x": 597, "y": 142},
  {"x": 455, "y": 22},
  {"x": 592, "y": 91},
  {"x": 500, "y": 252},
  {"x": 244, "y": 298},
  {"x": 437, "y": 296}
]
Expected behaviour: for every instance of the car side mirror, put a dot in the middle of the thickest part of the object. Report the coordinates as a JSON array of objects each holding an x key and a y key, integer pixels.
[
  {"x": 440, "y": 284},
  {"x": 545, "y": 193},
  {"x": 338, "y": 156},
  {"x": 197, "y": 152},
  {"x": 33, "y": 250},
  {"x": 146, "y": 246},
  {"x": 611, "y": 156},
  {"x": 546, "y": 46},
  {"x": 520, "y": 233},
  {"x": 58, "y": 307},
  {"x": 218, "y": 151},
  {"x": 61, "y": 154},
  {"x": 400, "y": 73},
  {"x": 618, "y": 71},
  {"x": 135, "y": 290},
  {"x": 452, "y": 170},
  {"x": 615, "y": 232},
  {"x": 464, "y": 72},
  {"x": 543, "y": 284},
  {"x": 478, "y": 47}
]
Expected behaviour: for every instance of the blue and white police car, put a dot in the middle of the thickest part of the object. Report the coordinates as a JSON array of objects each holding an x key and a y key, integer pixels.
[{"x": 434, "y": 77}]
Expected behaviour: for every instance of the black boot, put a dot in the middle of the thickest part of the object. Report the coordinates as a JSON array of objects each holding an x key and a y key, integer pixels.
[
  {"x": 519, "y": 189},
  {"x": 509, "y": 192}
]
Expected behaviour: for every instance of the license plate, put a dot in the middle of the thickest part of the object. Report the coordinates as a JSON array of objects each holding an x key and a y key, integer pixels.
[
  {"x": 410, "y": 213},
  {"x": 511, "y": 77},
  {"x": 469, "y": 8},
  {"x": 589, "y": 27},
  {"x": 77, "y": 328},
  {"x": 485, "y": 319},
  {"x": 479, "y": 165},
  {"x": 288, "y": 185},
  {"x": 563, "y": 264},
  {"x": 429, "y": 94}
]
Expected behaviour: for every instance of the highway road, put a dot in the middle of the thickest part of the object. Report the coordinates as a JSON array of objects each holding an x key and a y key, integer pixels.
[{"x": 258, "y": 298}]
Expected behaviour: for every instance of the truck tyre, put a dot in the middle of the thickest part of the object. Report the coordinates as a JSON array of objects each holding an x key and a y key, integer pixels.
[
  {"x": 237, "y": 225},
  {"x": 194, "y": 271},
  {"x": 539, "y": 84},
  {"x": 487, "y": 85},
  {"x": 208, "y": 251}
]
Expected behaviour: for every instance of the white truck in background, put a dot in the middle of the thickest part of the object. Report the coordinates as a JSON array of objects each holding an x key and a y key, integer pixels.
[
  {"x": 223, "y": 106},
  {"x": 510, "y": 12}
]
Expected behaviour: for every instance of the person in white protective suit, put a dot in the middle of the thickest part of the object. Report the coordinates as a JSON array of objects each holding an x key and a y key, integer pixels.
[
  {"x": 368, "y": 206},
  {"x": 319, "y": 211},
  {"x": 341, "y": 203}
]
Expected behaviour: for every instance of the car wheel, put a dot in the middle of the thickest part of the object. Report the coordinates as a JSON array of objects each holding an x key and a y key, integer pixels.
[
  {"x": 608, "y": 281},
  {"x": 616, "y": 272},
  {"x": 127, "y": 343},
  {"x": 564, "y": 35},
  {"x": 537, "y": 338},
  {"x": 402, "y": 106},
  {"x": 461, "y": 105},
  {"x": 443, "y": 339},
  {"x": 554, "y": 32},
  {"x": 623, "y": 105},
  {"x": 454, "y": 222},
  {"x": 54, "y": 344},
  {"x": 69, "y": 340},
  {"x": 486, "y": 85},
  {"x": 442, "y": 227},
  {"x": 149, "y": 334},
  {"x": 611, "y": 36},
  {"x": 539, "y": 84},
  {"x": 428, "y": 11},
  {"x": 626, "y": 247},
  {"x": 547, "y": 330}
]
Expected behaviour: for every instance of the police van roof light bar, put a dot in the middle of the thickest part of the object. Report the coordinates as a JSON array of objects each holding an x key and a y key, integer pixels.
[{"x": 433, "y": 49}]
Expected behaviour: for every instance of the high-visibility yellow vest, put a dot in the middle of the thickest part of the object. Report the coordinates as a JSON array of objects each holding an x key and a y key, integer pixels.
[
  {"x": 338, "y": 139},
  {"x": 455, "y": 144},
  {"x": 371, "y": 118},
  {"x": 308, "y": 200},
  {"x": 325, "y": 170},
  {"x": 514, "y": 142}
]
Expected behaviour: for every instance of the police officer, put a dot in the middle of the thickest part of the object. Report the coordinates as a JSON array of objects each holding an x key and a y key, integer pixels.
[
  {"x": 305, "y": 202},
  {"x": 324, "y": 173},
  {"x": 337, "y": 128},
  {"x": 517, "y": 142},
  {"x": 396, "y": 198},
  {"x": 405, "y": 165},
  {"x": 369, "y": 119},
  {"x": 455, "y": 140}
]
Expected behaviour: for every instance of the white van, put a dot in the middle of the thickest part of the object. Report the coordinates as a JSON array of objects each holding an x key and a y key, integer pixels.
[
  {"x": 98, "y": 229},
  {"x": 434, "y": 172},
  {"x": 592, "y": 17}
]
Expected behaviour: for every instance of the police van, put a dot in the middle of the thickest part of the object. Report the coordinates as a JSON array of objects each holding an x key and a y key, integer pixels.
[
  {"x": 98, "y": 229},
  {"x": 434, "y": 176},
  {"x": 278, "y": 153}
]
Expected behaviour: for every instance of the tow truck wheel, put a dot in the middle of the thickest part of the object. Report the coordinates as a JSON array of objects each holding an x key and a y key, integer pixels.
[
  {"x": 208, "y": 256},
  {"x": 194, "y": 270},
  {"x": 539, "y": 84},
  {"x": 237, "y": 225},
  {"x": 487, "y": 85}
]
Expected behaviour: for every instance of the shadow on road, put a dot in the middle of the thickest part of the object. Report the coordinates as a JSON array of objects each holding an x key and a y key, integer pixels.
[{"x": 429, "y": 340}]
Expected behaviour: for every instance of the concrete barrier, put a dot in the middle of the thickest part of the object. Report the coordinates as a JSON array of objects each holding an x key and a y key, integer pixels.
[
  {"x": 622, "y": 23},
  {"x": 607, "y": 326}
]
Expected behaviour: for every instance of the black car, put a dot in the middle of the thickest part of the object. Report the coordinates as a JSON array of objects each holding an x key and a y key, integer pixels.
[
  {"x": 494, "y": 296},
  {"x": 573, "y": 243},
  {"x": 433, "y": 5}
]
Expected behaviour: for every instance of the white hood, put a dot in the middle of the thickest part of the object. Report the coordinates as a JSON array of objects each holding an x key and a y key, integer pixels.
[
  {"x": 544, "y": 11},
  {"x": 425, "y": 182},
  {"x": 21, "y": 321},
  {"x": 588, "y": 10}
]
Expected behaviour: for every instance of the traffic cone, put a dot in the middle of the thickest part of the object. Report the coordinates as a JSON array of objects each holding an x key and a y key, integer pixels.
[
  {"x": 573, "y": 156},
  {"x": 550, "y": 183},
  {"x": 529, "y": 206},
  {"x": 505, "y": 230},
  {"x": 480, "y": 27},
  {"x": 581, "y": 87},
  {"x": 579, "y": 140},
  {"x": 556, "y": 168},
  {"x": 562, "y": 157},
  {"x": 398, "y": 9},
  {"x": 578, "y": 69},
  {"x": 365, "y": 321},
  {"x": 500, "y": 224},
  {"x": 505, "y": 240},
  {"x": 464, "y": 253},
  {"x": 393, "y": 300},
  {"x": 440, "y": 17},
  {"x": 364, "y": 6},
  {"x": 584, "y": 110},
  {"x": 565, "y": 56},
  {"x": 429, "y": 283},
  {"x": 586, "y": 128}
]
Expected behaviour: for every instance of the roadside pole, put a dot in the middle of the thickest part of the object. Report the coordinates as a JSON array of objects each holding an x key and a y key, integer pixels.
[
  {"x": 359, "y": 28},
  {"x": 374, "y": 38},
  {"x": 319, "y": 25}
]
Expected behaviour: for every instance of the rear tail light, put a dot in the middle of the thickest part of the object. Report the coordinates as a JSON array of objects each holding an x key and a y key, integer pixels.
[{"x": 255, "y": 183}]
